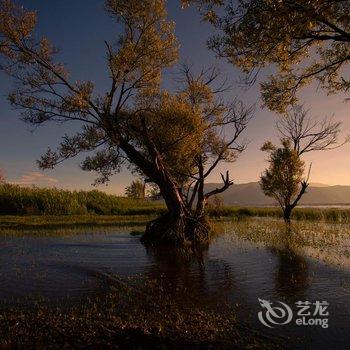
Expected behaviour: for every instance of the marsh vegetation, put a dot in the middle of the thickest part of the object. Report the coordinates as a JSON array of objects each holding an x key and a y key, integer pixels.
[
  {"x": 47, "y": 205},
  {"x": 16, "y": 200}
]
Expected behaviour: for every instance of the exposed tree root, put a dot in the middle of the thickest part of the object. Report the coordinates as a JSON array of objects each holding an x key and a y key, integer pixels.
[{"x": 178, "y": 231}]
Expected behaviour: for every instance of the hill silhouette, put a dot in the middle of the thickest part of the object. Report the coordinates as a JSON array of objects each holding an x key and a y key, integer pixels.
[{"x": 251, "y": 194}]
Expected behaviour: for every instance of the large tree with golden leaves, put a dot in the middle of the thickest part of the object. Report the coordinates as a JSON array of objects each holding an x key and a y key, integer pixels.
[
  {"x": 305, "y": 40},
  {"x": 174, "y": 140}
]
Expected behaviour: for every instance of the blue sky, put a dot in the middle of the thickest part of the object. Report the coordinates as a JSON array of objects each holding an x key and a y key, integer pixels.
[{"x": 79, "y": 29}]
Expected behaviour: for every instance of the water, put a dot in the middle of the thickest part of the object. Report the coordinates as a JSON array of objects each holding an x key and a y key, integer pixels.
[{"x": 229, "y": 272}]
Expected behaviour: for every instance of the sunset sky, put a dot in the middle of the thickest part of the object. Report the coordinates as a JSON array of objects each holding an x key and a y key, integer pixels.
[{"x": 79, "y": 29}]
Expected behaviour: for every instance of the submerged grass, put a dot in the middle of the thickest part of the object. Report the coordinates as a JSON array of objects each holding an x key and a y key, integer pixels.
[
  {"x": 133, "y": 315},
  {"x": 326, "y": 241}
]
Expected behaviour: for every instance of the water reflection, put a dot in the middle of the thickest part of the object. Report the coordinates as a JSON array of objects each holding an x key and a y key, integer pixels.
[
  {"x": 291, "y": 274},
  {"x": 188, "y": 276},
  {"x": 197, "y": 277}
]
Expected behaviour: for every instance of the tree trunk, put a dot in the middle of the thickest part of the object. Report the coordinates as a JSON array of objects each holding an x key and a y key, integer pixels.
[
  {"x": 287, "y": 214},
  {"x": 179, "y": 226},
  {"x": 287, "y": 211},
  {"x": 201, "y": 200},
  {"x": 200, "y": 196}
]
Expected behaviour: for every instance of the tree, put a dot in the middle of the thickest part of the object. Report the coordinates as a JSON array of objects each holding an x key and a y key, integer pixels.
[
  {"x": 136, "y": 190},
  {"x": 216, "y": 144},
  {"x": 283, "y": 179},
  {"x": 305, "y": 41},
  {"x": 300, "y": 133},
  {"x": 174, "y": 140}
]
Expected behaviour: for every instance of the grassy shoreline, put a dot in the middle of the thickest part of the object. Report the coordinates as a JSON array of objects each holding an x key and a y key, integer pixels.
[
  {"x": 331, "y": 215},
  {"x": 78, "y": 205},
  {"x": 18, "y": 223},
  {"x": 42, "y": 222},
  {"x": 327, "y": 241}
]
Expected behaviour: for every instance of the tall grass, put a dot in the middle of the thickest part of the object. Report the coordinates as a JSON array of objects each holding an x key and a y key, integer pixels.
[
  {"x": 313, "y": 214},
  {"x": 16, "y": 200}
]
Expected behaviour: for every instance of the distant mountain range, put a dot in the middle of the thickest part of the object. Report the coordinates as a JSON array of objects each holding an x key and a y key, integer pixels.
[{"x": 251, "y": 194}]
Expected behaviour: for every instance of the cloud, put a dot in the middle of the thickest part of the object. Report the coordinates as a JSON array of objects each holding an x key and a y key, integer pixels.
[{"x": 35, "y": 178}]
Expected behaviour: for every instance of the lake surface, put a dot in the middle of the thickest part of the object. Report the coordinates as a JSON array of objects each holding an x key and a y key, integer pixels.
[{"x": 230, "y": 272}]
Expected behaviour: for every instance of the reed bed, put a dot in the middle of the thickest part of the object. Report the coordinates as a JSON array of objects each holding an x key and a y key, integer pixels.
[
  {"x": 336, "y": 215},
  {"x": 16, "y": 200}
]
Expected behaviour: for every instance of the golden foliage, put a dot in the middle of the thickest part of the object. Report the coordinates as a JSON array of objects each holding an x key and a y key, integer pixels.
[
  {"x": 284, "y": 175},
  {"x": 305, "y": 40},
  {"x": 147, "y": 46}
]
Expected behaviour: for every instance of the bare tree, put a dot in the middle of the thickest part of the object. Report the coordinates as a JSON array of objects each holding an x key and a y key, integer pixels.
[{"x": 307, "y": 133}]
